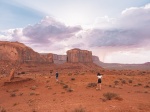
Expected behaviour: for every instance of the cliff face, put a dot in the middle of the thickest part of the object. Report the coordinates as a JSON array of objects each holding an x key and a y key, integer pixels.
[
  {"x": 48, "y": 57},
  {"x": 77, "y": 55},
  {"x": 54, "y": 58},
  {"x": 59, "y": 59},
  {"x": 14, "y": 51}
]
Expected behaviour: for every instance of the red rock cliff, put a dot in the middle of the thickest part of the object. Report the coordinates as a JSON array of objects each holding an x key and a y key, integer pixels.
[
  {"x": 15, "y": 51},
  {"x": 77, "y": 55}
]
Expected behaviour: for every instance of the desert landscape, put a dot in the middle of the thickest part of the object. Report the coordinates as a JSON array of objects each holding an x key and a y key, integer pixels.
[{"x": 28, "y": 84}]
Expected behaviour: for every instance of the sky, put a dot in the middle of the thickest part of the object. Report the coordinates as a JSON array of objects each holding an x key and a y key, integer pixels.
[{"x": 117, "y": 31}]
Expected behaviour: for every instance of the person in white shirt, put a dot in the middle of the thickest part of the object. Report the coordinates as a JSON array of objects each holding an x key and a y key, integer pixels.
[{"x": 99, "y": 81}]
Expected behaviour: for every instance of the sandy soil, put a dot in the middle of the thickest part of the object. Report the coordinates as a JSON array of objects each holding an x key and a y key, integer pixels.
[{"x": 74, "y": 92}]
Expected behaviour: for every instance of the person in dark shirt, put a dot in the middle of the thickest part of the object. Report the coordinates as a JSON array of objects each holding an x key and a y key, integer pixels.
[
  {"x": 99, "y": 81},
  {"x": 57, "y": 76}
]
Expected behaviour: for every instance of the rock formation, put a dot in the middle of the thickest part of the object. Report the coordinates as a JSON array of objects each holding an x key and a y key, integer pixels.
[
  {"x": 11, "y": 75},
  {"x": 48, "y": 57},
  {"x": 15, "y": 51},
  {"x": 59, "y": 59},
  {"x": 77, "y": 55}
]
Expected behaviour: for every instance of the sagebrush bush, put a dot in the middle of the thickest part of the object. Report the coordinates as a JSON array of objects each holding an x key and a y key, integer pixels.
[{"x": 110, "y": 96}]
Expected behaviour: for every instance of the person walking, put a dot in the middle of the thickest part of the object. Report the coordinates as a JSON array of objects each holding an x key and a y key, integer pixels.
[
  {"x": 57, "y": 76},
  {"x": 99, "y": 81}
]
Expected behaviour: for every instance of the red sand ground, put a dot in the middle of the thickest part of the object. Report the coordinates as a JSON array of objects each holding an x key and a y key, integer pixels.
[{"x": 41, "y": 93}]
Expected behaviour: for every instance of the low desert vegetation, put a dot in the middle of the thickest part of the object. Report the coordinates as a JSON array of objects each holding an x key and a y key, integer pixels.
[
  {"x": 123, "y": 81},
  {"x": 69, "y": 89},
  {"x": 92, "y": 85},
  {"x": 147, "y": 86},
  {"x": 33, "y": 93},
  {"x": 110, "y": 96},
  {"x": 79, "y": 109},
  {"x": 33, "y": 88},
  {"x": 130, "y": 81},
  {"x": 65, "y": 86},
  {"x": 139, "y": 84},
  {"x": 15, "y": 104},
  {"x": 72, "y": 78},
  {"x": 69, "y": 74},
  {"x": 12, "y": 94},
  {"x": 116, "y": 82}
]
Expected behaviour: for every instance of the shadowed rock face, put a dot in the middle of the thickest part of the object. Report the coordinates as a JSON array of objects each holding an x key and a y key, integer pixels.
[
  {"x": 77, "y": 55},
  {"x": 14, "y": 51}
]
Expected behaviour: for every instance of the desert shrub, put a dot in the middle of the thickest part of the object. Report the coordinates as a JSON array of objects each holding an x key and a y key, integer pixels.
[
  {"x": 110, "y": 85},
  {"x": 79, "y": 109},
  {"x": 69, "y": 90},
  {"x": 116, "y": 82},
  {"x": 33, "y": 87},
  {"x": 147, "y": 86},
  {"x": 110, "y": 96},
  {"x": 139, "y": 84},
  {"x": 123, "y": 81},
  {"x": 92, "y": 84},
  {"x": 65, "y": 86},
  {"x": 69, "y": 74},
  {"x": 32, "y": 93},
  {"x": 20, "y": 94},
  {"x": 15, "y": 90},
  {"x": 13, "y": 94},
  {"x": 22, "y": 72},
  {"x": 47, "y": 81},
  {"x": 146, "y": 92},
  {"x": 48, "y": 87},
  {"x": 15, "y": 104},
  {"x": 51, "y": 71},
  {"x": 72, "y": 78},
  {"x": 130, "y": 81}
]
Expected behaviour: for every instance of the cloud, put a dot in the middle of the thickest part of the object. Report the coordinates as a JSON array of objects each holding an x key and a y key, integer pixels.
[
  {"x": 46, "y": 36},
  {"x": 49, "y": 30},
  {"x": 117, "y": 36},
  {"x": 131, "y": 29}
]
